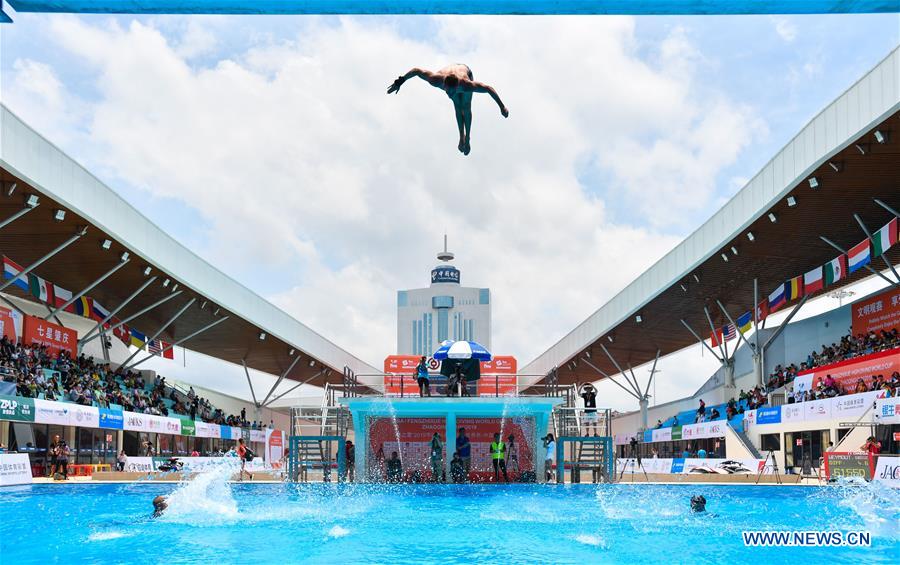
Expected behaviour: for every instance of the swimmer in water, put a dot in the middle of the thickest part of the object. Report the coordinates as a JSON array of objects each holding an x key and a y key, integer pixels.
[
  {"x": 698, "y": 503},
  {"x": 459, "y": 84},
  {"x": 159, "y": 506}
]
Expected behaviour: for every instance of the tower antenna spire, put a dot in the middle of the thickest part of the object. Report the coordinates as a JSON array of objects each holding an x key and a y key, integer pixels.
[{"x": 445, "y": 255}]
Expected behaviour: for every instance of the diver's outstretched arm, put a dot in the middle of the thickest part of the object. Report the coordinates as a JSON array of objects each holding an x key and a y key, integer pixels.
[
  {"x": 485, "y": 89},
  {"x": 432, "y": 79}
]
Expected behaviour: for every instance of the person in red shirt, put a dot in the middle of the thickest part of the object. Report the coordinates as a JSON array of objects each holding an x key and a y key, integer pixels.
[
  {"x": 243, "y": 454},
  {"x": 872, "y": 447}
]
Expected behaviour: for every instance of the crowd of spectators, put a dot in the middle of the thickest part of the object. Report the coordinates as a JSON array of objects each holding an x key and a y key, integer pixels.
[{"x": 83, "y": 381}]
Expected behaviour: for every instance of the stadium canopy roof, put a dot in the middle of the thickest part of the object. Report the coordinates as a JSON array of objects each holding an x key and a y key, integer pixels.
[
  {"x": 851, "y": 167},
  {"x": 635, "y": 7},
  {"x": 37, "y": 167}
]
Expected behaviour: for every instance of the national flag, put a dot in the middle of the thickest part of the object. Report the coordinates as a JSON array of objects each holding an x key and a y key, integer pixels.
[
  {"x": 885, "y": 238},
  {"x": 42, "y": 289},
  {"x": 835, "y": 270},
  {"x": 745, "y": 322},
  {"x": 777, "y": 298},
  {"x": 61, "y": 296},
  {"x": 157, "y": 346},
  {"x": 122, "y": 332},
  {"x": 138, "y": 339},
  {"x": 729, "y": 332},
  {"x": 12, "y": 270},
  {"x": 84, "y": 307},
  {"x": 98, "y": 312},
  {"x": 813, "y": 281},
  {"x": 859, "y": 256},
  {"x": 794, "y": 288},
  {"x": 715, "y": 338},
  {"x": 762, "y": 310}
]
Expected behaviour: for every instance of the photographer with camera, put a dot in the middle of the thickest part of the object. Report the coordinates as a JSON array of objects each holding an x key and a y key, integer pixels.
[{"x": 550, "y": 458}]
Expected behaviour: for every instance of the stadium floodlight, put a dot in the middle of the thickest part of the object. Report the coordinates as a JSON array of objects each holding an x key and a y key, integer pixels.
[
  {"x": 859, "y": 148},
  {"x": 175, "y": 287},
  {"x": 772, "y": 217},
  {"x": 813, "y": 182},
  {"x": 587, "y": 352},
  {"x": 834, "y": 166},
  {"x": 750, "y": 236},
  {"x": 166, "y": 283},
  {"x": 107, "y": 243},
  {"x": 734, "y": 250},
  {"x": 696, "y": 278},
  {"x": 124, "y": 256},
  {"x": 683, "y": 287},
  {"x": 724, "y": 257},
  {"x": 291, "y": 352},
  {"x": 203, "y": 305},
  {"x": 312, "y": 362},
  {"x": 610, "y": 338},
  {"x": 147, "y": 270},
  {"x": 262, "y": 336},
  {"x": 791, "y": 201},
  {"x": 638, "y": 319},
  {"x": 59, "y": 215},
  {"x": 32, "y": 200},
  {"x": 216, "y": 313},
  {"x": 12, "y": 188},
  {"x": 879, "y": 137}
]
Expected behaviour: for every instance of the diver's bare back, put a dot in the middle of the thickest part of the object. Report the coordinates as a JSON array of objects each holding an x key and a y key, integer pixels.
[{"x": 459, "y": 84}]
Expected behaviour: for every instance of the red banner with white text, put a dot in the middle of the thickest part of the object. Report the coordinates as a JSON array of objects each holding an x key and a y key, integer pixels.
[
  {"x": 847, "y": 373},
  {"x": 876, "y": 313},
  {"x": 37, "y": 331},
  {"x": 498, "y": 376}
]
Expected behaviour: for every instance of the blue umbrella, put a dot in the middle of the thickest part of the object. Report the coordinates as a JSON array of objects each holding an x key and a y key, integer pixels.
[{"x": 462, "y": 350}]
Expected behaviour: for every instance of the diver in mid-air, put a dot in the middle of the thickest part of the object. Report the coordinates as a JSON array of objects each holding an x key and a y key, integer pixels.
[{"x": 459, "y": 84}]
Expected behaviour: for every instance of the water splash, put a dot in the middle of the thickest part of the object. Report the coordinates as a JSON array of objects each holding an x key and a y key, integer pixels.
[
  {"x": 590, "y": 539},
  {"x": 337, "y": 531},
  {"x": 106, "y": 536},
  {"x": 876, "y": 503},
  {"x": 206, "y": 498}
]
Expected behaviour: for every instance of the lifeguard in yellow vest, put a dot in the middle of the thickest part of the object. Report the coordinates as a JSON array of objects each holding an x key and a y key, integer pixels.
[{"x": 498, "y": 458}]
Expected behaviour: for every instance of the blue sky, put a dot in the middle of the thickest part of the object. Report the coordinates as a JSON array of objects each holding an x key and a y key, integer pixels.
[{"x": 268, "y": 146}]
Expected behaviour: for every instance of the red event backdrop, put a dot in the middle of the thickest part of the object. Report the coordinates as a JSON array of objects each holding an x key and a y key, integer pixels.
[
  {"x": 415, "y": 442},
  {"x": 56, "y": 338},
  {"x": 497, "y": 376},
  {"x": 846, "y": 373},
  {"x": 7, "y": 324},
  {"x": 879, "y": 312}
]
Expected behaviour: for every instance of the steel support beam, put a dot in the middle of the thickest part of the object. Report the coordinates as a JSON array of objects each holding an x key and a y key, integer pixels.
[
  {"x": 111, "y": 315},
  {"x": 614, "y": 381},
  {"x": 249, "y": 382},
  {"x": 702, "y": 342},
  {"x": 886, "y": 207},
  {"x": 159, "y": 302},
  {"x": 281, "y": 378},
  {"x": 712, "y": 329},
  {"x": 844, "y": 251},
  {"x": 635, "y": 386},
  {"x": 88, "y": 288},
  {"x": 865, "y": 230},
  {"x": 180, "y": 341},
  {"x": 785, "y": 322},
  {"x": 78, "y": 235},
  {"x": 295, "y": 387},
  {"x": 161, "y": 329},
  {"x": 17, "y": 215},
  {"x": 737, "y": 329},
  {"x": 652, "y": 373}
]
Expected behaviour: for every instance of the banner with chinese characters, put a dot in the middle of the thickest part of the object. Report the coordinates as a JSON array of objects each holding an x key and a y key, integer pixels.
[
  {"x": 498, "y": 376},
  {"x": 56, "y": 338},
  {"x": 847, "y": 373},
  {"x": 15, "y": 469},
  {"x": 16, "y": 408},
  {"x": 7, "y": 324},
  {"x": 876, "y": 313}
]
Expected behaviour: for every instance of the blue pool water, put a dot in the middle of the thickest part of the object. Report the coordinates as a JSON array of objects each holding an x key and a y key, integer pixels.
[{"x": 213, "y": 522}]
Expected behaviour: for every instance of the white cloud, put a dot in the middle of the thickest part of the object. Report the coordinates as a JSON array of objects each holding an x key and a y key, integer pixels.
[
  {"x": 302, "y": 165},
  {"x": 785, "y": 28}
]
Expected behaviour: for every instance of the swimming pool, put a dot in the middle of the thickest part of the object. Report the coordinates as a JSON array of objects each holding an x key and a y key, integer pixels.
[{"x": 213, "y": 522}]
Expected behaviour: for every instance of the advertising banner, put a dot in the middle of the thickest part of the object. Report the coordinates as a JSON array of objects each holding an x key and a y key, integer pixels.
[
  {"x": 498, "y": 375},
  {"x": 50, "y": 412},
  {"x": 135, "y": 422},
  {"x": 208, "y": 430},
  {"x": 848, "y": 372},
  {"x": 258, "y": 436},
  {"x": 876, "y": 313},
  {"x": 848, "y": 465},
  {"x": 771, "y": 415},
  {"x": 187, "y": 427},
  {"x": 817, "y": 409},
  {"x": 7, "y": 324},
  {"x": 84, "y": 416},
  {"x": 112, "y": 418},
  {"x": 662, "y": 434},
  {"x": 887, "y": 411},
  {"x": 803, "y": 383},
  {"x": 792, "y": 413},
  {"x": 55, "y": 337},
  {"x": 887, "y": 470},
  {"x": 676, "y": 433},
  {"x": 15, "y": 469},
  {"x": 854, "y": 405},
  {"x": 274, "y": 446},
  {"x": 16, "y": 408}
]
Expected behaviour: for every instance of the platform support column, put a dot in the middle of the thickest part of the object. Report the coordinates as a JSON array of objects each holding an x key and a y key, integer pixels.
[
  {"x": 541, "y": 420},
  {"x": 361, "y": 435},
  {"x": 644, "y": 404},
  {"x": 450, "y": 444}
]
